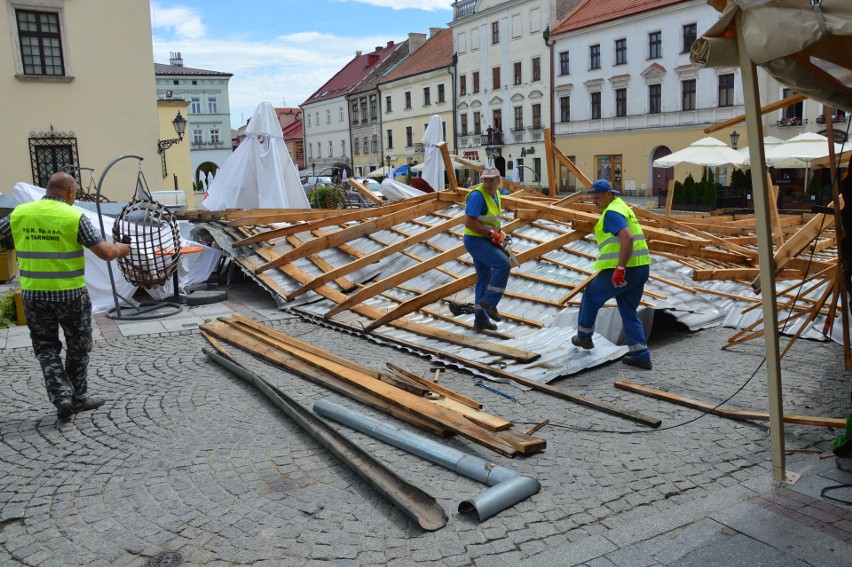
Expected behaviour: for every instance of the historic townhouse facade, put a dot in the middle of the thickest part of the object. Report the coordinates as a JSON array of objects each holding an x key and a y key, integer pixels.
[
  {"x": 417, "y": 89},
  {"x": 626, "y": 93},
  {"x": 503, "y": 82},
  {"x": 325, "y": 114},
  {"x": 82, "y": 95},
  {"x": 365, "y": 112},
  {"x": 209, "y": 120}
]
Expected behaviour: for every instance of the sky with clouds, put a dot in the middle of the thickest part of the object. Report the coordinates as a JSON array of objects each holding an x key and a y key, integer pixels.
[{"x": 281, "y": 51}]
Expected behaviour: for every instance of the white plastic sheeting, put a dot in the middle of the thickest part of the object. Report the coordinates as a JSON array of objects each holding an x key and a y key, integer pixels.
[{"x": 433, "y": 162}]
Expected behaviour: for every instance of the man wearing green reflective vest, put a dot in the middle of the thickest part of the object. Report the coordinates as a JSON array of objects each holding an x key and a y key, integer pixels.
[
  {"x": 624, "y": 263},
  {"x": 49, "y": 236}
]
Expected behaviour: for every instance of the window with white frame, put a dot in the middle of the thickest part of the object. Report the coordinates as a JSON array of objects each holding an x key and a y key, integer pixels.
[
  {"x": 195, "y": 105},
  {"x": 536, "y": 68},
  {"x": 409, "y": 137},
  {"x": 38, "y": 37},
  {"x": 374, "y": 108},
  {"x": 342, "y": 147},
  {"x": 565, "y": 109},
  {"x": 690, "y": 34},
  {"x": 388, "y": 106},
  {"x": 390, "y": 139},
  {"x": 212, "y": 106},
  {"x": 655, "y": 99},
  {"x": 441, "y": 95},
  {"x": 356, "y": 146},
  {"x": 726, "y": 90},
  {"x": 319, "y": 150},
  {"x": 407, "y": 100},
  {"x": 328, "y": 116},
  {"x": 464, "y": 124},
  {"x": 427, "y": 96},
  {"x": 340, "y": 114},
  {"x": 564, "y": 61},
  {"x": 214, "y": 136},
  {"x": 517, "y": 26},
  {"x": 354, "y": 112},
  {"x": 655, "y": 45},
  {"x": 330, "y": 149},
  {"x": 310, "y": 151},
  {"x": 687, "y": 89},
  {"x": 197, "y": 136},
  {"x": 495, "y": 33},
  {"x": 595, "y": 56},
  {"x": 516, "y": 67},
  {"x": 595, "y": 101},
  {"x": 621, "y": 51},
  {"x": 364, "y": 118},
  {"x": 477, "y": 123},
  {"x": 621, "y": 102},
  {"x": 374, "y": 143},
  {"x": 308, "y": 114}
]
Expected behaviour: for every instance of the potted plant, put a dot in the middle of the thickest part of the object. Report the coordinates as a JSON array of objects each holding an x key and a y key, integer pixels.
[{"x": 8, "y": 263}]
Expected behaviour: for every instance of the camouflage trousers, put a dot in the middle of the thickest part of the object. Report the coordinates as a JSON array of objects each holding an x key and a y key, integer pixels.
[{"x": 64, "y": 382}]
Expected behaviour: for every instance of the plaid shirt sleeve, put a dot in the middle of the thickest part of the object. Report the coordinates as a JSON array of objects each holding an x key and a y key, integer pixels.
[
  {"x": 86, "y": 234},
  {"x": 5, "y": 227}
]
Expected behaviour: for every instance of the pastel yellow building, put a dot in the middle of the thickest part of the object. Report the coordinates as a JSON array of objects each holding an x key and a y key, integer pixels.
[{"x": 80, "y": 92}]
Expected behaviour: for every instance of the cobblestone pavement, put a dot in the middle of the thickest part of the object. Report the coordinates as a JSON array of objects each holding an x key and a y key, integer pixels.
[{"x": 186, "y": 457}]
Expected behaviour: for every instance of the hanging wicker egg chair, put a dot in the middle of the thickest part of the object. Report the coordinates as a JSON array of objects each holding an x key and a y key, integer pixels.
[{"x": 152, "y": 232}]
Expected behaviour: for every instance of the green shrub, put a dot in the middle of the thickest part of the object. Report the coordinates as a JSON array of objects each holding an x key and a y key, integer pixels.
[
  {"x": 7, "y": 310},
  {"x": 688, "y": 189},
  {"x": 325, "y": 197}
]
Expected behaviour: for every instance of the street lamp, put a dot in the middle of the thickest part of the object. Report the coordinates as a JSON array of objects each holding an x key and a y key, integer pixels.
[
  {"x": 162, "y": 145},
  {"x": 735, "y": 137},
  {"x": 388, "y": 161}
]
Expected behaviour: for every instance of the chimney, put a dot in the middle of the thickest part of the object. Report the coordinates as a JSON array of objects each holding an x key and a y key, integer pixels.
[
  {"x": 390, "y": 43},
  {"x": 359, "y": 53},
  {"x": 175, "y": 59},
  {"x": 372, "y": 58},
  {"x": 415, "y": 41},
  {"x": 434, "y": 31}
]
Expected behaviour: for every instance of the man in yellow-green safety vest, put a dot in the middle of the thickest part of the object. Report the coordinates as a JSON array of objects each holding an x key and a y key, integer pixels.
[
  {"x": 624, "y": 262},
  {"x": 483, "y": 239},
  {"x": 49, "y": 236}
]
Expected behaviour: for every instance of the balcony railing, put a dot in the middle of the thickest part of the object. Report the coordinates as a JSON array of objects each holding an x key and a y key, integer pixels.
[
  {"x": 536, "y": 133},
  {"x": 494, "y": 139},
  {"x": 463, "y": 8},
  {"x": 517, "y": 134},
  {"x": 419, "y": 148}
]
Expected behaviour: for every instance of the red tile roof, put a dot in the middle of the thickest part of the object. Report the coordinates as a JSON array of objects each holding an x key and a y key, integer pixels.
[
  {"x": 293, "y": 131},
  {"x": 353, "y": 73},
  {"x": 436, "y": 53},
  {"x": 591, "y": 12}
]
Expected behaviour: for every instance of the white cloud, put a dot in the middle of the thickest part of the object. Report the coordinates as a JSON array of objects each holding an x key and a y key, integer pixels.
[
  {"x": 184, "y": 22},
  {"x": 425, "y": 5}
]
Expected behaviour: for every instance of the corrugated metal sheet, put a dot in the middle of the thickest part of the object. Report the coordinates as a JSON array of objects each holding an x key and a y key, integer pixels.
[{"x": 533, "y": 295}]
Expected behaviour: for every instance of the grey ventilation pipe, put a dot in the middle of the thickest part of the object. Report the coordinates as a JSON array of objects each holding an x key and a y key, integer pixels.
[{"x": 508, "y": 487}]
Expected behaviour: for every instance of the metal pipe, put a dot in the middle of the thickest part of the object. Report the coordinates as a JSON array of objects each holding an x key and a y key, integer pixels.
[
  {"x": 418, "y": 505},
  {"x": 508, "y": 487}
]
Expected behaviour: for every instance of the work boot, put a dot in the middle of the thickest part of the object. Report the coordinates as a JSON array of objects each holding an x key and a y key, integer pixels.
[
  {"x": 491, "y": 311},
  {"x": 484, "y": 326},
  {"x": 87, "y": 403},
  {"x": 638, "y": 361},
  {"x": 64, "y": 409},
  {"x": 583, "y": 341}
]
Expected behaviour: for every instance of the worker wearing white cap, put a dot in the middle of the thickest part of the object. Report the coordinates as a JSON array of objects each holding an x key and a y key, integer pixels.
[{"x": 482, "y": 239}]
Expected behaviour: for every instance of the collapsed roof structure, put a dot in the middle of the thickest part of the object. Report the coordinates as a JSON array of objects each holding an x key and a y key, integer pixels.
[{"x": 394, "y": 273}]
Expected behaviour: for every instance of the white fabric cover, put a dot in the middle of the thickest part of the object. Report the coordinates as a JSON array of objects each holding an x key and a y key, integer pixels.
[
  {"x": 708, "y": 152},
  {"x": 396, "y": 191},
  {"x": 433, "y": 163},
  {"x": 260, "y": 172},
  {"x": 193, "y": 268},
  {"x": 806, "y": 47}
]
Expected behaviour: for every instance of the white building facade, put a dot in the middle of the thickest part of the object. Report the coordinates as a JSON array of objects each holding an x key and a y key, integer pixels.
[
  {"x": 626, "y": 93},
  {"x": 209, "y": 120},
  {"x": 503, "y": 83}
]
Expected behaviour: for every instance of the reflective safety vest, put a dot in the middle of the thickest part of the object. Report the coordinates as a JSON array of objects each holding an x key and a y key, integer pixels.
[
  {"x": 491, "y": 217},
  {"x": 609, "y": 245},
  {"x": 49, "y": 256}
]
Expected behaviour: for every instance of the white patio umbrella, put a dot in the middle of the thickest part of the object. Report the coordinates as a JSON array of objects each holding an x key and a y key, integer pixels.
[
  {"x": 708, "y": 152},
  {"x": 768, "y": 142},
  {"x": 799, "y": 151},
  {"x": 433, "y": 163},
  {"x": 381, "y": 172}
]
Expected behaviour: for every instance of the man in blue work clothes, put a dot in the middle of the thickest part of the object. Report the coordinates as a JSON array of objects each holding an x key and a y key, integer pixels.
[
  {"x": 624, "y": 263},
  {"x": 49, "y": 235},
  {"x": 482, "y": 239}
]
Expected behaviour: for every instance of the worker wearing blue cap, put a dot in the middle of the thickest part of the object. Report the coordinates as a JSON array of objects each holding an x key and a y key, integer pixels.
[{"x": 624, "y": 262}]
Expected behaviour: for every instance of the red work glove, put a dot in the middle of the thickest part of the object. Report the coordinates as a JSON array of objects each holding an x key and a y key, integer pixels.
[
  {"x": 497, "y": 237},
  {"x": 618, "y": 277}
]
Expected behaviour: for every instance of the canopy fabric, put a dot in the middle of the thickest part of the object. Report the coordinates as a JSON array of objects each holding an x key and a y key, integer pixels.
[
  {"x": 401, "y": 170},
  {"x": 433, "y": 162},
  {"x": 381, "y": 172},
  {"x": 804, "y": 44},
  {"x": 803, "y": 148},
  {"x": 260, "y": 172},
  {"x": 455, "y": 164},
  {"x": 396, "y": 191},
  {"x": 708, "y": 152}
]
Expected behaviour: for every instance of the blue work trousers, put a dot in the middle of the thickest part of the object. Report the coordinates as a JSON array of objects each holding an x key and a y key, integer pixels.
[
  {"x": 601, "y": 290},
  {"x": 492, "y": 272}
]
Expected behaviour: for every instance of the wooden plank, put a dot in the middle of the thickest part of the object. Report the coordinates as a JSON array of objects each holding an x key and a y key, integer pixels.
[
  {"x": 797, "y": 243},
  {"x": 772, "y": 198},
  {"x": 670, "y": 197},
  {"x": 368, "y": 259},
  {"x": 365, "y": 193},
  {"x": 458, "y": 285},
  {"x": 550, "y": 162},
  {"x": 353, "y": 232},
  {"x": 726, "y": 412},
  {"x": 410, "y": 326},
  {"x": 435, "y": 386},
  {"x": 777, "y": 105},
  {"x": 240, "y": 340},
  {"x": 393, "y": 396}
]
